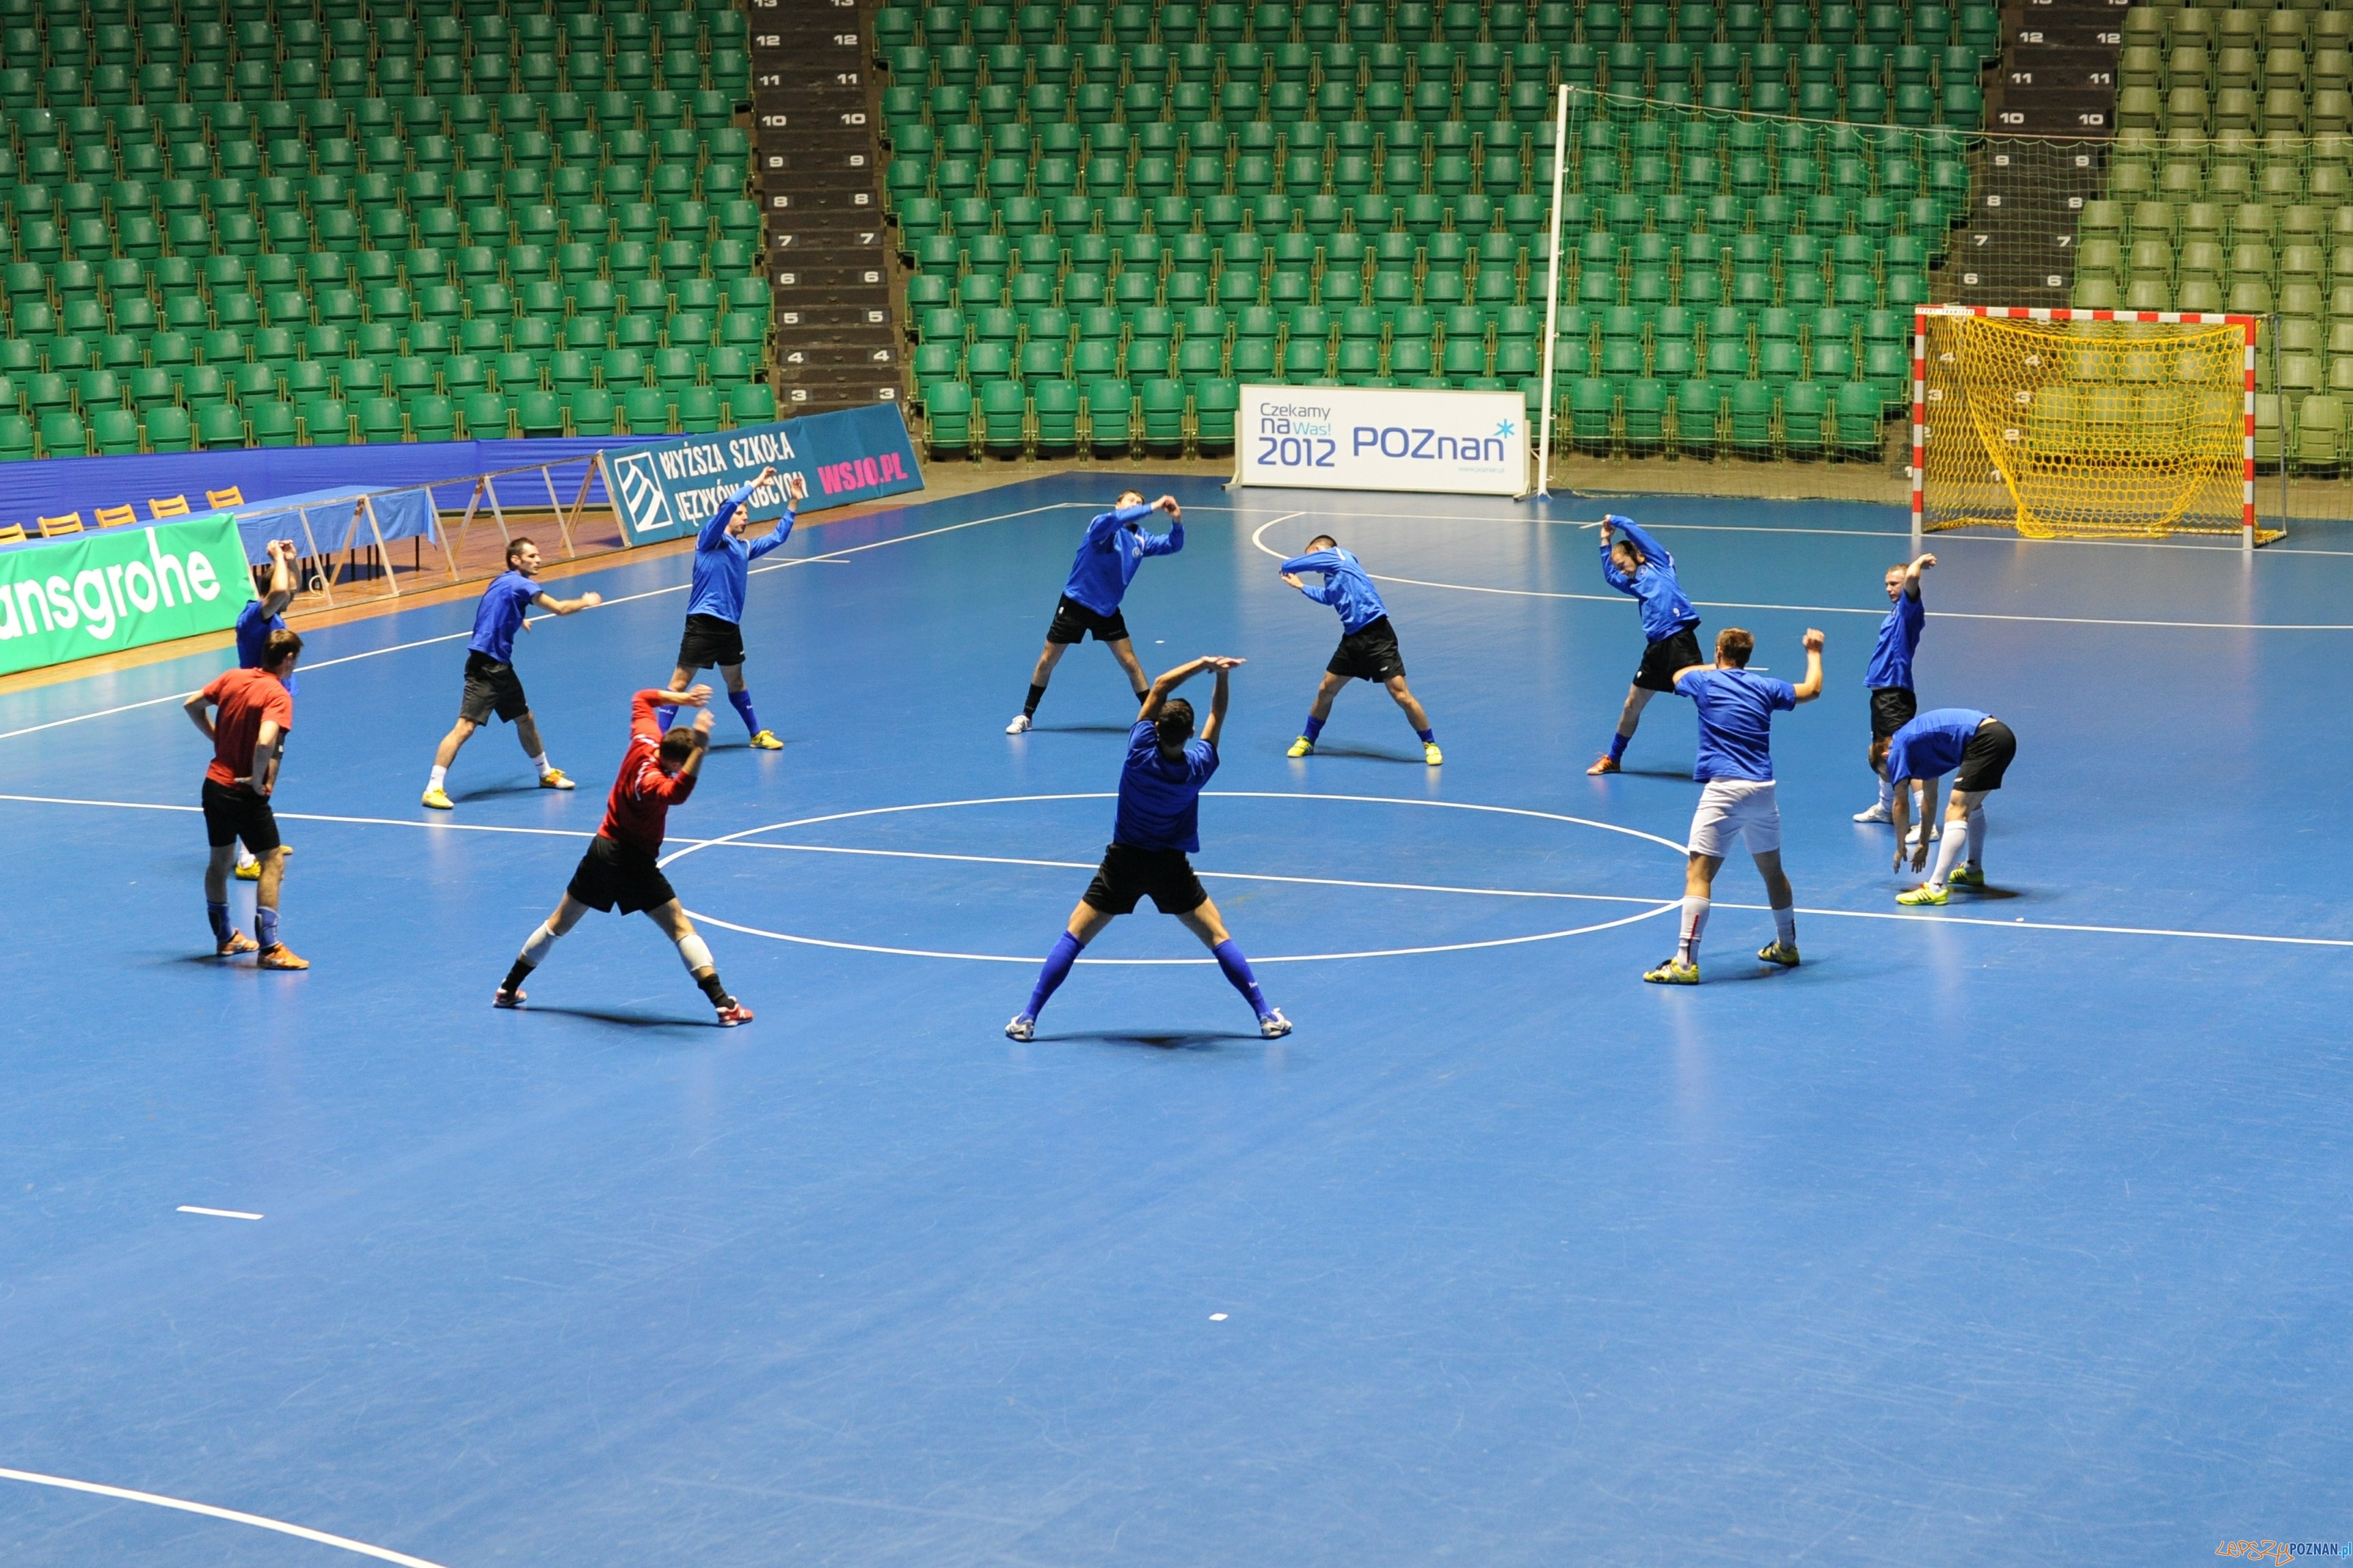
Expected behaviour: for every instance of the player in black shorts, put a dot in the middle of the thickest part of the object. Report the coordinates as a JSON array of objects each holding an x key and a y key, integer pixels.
[
  {"x": 1114, "y": 546},
  {"x": 1369, "y": 644},
  {"x": 1639, "y": 566},
  {"x": 1977, "y": 749}
]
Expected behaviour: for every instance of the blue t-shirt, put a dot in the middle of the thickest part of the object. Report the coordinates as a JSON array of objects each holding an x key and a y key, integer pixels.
[
  {"x": 1345, "y": 587},
  {"x": 1899, "y": 638},
  {"x": 1159, "y": 801},
  {"x": 1931, "y": 745},
  {"x": 722, "y": 562},
  {"x": 254, "y": 624},
  {"x": 1735, "y": 721},
  {"x": 500, "y": 613},
  {"x": 1665, "y": 611},
  {"x": 1108, "y": 555}
]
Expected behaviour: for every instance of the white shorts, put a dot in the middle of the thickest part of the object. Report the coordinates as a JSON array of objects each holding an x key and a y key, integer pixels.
[{"x": 1736, "y": 808}]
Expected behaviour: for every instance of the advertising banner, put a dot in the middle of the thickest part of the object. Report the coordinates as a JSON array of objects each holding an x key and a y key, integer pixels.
[
  {"x": 126, "y": 587},
  {"x": 1382, "y": 438},
  {"x": 669, "y": 490}
]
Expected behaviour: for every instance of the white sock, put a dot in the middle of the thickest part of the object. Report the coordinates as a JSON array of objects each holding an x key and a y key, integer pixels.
[
  {"x": 1948, "y": 851},
  {"x": 1785, "y": 926},
  {"x": 695, "y": 953},
  {"x": 535, "y": 949},
  {"x": 440, "y": 776},
  {"x": 1977, "y": 838},
  {"x": 1694, "y": 923},
  {"x": 1886, "y": 796},
  {"x": 540, "y": 762}
]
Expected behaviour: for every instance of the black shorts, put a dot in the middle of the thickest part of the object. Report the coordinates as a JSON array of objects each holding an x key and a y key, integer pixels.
[
  {"x": 611, "y": 873},
  {"x": 1368, "y": 653},
  {"x": 491, "y": 687},
  {"x": 1128, "y": 874},
  {"x": 1662, "y": 658},
  {"x": 1892, "y": 708},
  {"x": 1073, "y": 621},
  {"x": 232, "y": 813},
  {"x": 708, "y": 641},
  {"x": 1985, "y": 758}
]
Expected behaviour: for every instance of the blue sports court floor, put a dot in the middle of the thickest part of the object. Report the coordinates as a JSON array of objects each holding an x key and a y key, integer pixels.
[{"x": 2012, "y": 1232}]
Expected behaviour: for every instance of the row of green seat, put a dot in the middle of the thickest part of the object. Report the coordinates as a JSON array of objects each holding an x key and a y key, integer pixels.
[
  {"x": 2320, "y": 24},
  {"x": 388, "y": 30},
  {"x": 36, "y": 392}
]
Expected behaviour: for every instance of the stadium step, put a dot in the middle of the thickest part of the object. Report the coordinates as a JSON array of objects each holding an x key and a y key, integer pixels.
[
  {"x": 2057, "y": 78},
  {"x": 827, "y": 256}
]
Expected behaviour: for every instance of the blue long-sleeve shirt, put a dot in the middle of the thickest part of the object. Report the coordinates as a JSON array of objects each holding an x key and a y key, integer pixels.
[
  {"x": 722, "y": 562},
  {"x": 1665, "y": 611},
  {"x": 1345, "y": 587},
  {"x": 1108, "y": 555}
]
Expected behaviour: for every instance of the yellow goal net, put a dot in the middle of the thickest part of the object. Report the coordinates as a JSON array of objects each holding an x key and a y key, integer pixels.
[{"x": 2084, "y": 424}]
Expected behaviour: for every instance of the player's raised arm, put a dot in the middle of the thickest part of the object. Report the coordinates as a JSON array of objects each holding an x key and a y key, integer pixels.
[
  {"x": 713, "y": 533},
  {"x": 1812, "y": 686},
  {"x": 1912, "y": 575},
  {"x": 1218, "y": 699},
  {"x": 556, "y": 606},
  {"x": 1156, "y": 699}
]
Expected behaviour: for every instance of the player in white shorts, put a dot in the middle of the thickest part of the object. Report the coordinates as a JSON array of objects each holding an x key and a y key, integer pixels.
[{"x": 1736, "y": 764}]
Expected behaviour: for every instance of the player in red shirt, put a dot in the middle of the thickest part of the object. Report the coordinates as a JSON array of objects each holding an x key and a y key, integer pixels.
[
  {"x": 622, "y": 865},
  {"x": 256, "y": 713}
]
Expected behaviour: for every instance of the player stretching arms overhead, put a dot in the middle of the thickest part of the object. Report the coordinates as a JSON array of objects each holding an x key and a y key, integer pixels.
[
  {"x": 256, "y": 713},
  {"x": 621, "y": 866},
  {"x": 1735, "y": 763},
  {"x": 491, "y": 684},
  {"x": 1982, "y": 747},
  {"x": 1158, "y": 824},
  {"x": 1893, "y": 703},
  {"x": 1114, "y": 546},
  {"x": 1369, "y": 644},
  {"x": 714, "y": 613},
  {"x": 1640, "y": 566},
  {"x": 254, "y": 623}
]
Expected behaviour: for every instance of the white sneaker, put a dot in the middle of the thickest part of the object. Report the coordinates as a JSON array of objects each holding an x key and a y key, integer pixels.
[
  {"x": 1274, "y": 1025},
  {"x": 1912, "y": 839},
  {"x": 1875, "y": 814},
  {"x": 1023, "y": 1028},
  {"x": 1020, "y": 725}
]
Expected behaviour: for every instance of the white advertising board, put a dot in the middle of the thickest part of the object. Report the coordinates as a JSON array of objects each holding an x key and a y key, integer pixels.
[{"x": 1382, "y": 438}]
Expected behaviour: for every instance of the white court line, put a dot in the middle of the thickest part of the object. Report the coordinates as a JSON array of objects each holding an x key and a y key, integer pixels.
[
  {"x": 828, "y": 558},
  {"x": 217, "y": 1213},
  {"x": 382, "y": 1553},
  {"x": 1828, "y": 609}
]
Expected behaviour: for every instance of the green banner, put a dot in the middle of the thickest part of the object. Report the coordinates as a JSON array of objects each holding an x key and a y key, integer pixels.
[{"x": 126, "y": 587}]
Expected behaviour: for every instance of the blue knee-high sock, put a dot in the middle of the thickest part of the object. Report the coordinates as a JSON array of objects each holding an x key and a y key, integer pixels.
[
  {"x": 1617, "y": 746},
  {"x": 742, "y": 703},
  {"x": 664, "y": 717},
  {"x": 218, "y": 915},
  {"x": 1237, "y": 974},
  {"x": 1315, "y": 727},
  {"x": 1057, "y": 969},
  {"x": 1429, "y": 737},
  {"x": 265, "y": 925}
]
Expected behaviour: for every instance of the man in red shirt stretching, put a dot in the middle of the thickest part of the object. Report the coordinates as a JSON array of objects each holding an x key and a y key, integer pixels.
[
  {"x": 256, "y": 713},
  {"x": 621, "y": 865}
]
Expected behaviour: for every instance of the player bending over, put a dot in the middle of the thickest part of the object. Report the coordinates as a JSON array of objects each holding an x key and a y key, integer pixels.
[
  {"x": 1893, "y": 703},
  {"x": 1939, "y": 741},
  {"x": 1157, "y": 824},
  {"x": 491, "y": 684},
  {"x": 1114, "y": 546},
  {"x": 256, "y": 713},
  {"x": 1640, "y": 566},
  {"x": 621, "y": 867},
  {"x": 254, "y": 623},
  {"x": 1369, "y": 644},
  {"x": 1735, "y": 763},
  {"x": 715, "y": 610}
]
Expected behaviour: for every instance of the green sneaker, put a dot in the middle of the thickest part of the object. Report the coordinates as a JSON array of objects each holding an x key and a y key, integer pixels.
[
  {"x": 1301, "y": 747},
  {"x": 1967, "y": 877},
  {"x": 1674, "y": 972},
  {"x": 1922, "y": 894},
  {"x": 1779, "y": 953}
]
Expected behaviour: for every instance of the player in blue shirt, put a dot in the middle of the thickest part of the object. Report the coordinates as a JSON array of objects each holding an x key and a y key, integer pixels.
[
  {"x": 1369, "y": 644},
  {"x": 1114, "y": 546},
  {"x": 714, "y": 607},
  {"x": 1158, "y": 826},
  {"x": 1736, "y": 766},
  {"x": 254, "y": 623},
  {"x": 1639, "y": 566},
  {"x": 1893, "y": 703},
  {"x": 1941, "y": 741},
  {"x": 491, "y": 684}
]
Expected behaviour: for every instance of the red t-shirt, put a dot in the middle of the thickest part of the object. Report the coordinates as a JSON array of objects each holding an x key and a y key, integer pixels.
[
  {"x": 638, "y": 811},
  {"x": 243, "y": 698}
]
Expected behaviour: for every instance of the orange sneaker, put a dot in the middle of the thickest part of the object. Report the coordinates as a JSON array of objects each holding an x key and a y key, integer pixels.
[
  {"x": 238, "y": 942},
  {"x": 732, "y": 1014},
  {"x": 277, "y": 955},
  {"x": 1604, "y": 763}
]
